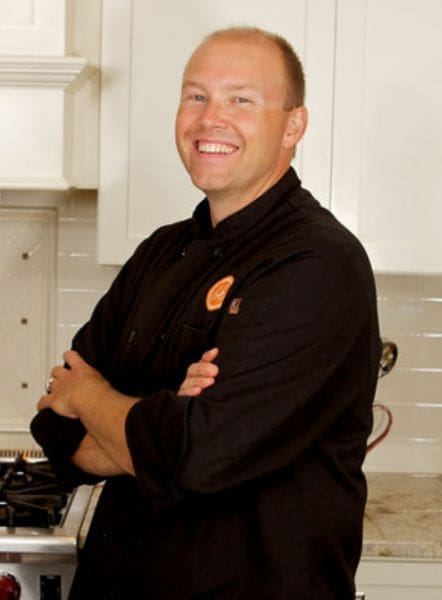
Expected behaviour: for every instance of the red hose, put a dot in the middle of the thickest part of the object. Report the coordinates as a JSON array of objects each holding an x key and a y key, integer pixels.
[{"x": 386, "y": 430}]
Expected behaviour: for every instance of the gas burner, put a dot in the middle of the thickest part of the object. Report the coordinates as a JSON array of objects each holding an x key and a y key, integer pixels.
[
  {"x": 29, "y": 495},
  {"x": 42, "y": 527}
]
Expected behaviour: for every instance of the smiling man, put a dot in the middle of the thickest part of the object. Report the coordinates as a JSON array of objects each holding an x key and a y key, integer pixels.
[
  {"x": 240, "y": 476},
  {"x": 238, "y": 121}
]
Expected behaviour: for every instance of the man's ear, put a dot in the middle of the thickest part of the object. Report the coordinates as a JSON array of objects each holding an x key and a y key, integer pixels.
[{"x": 296, "y": 126}]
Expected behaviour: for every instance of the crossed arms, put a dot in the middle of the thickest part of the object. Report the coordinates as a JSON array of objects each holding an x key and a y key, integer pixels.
[{"x": 81, "y": 392}]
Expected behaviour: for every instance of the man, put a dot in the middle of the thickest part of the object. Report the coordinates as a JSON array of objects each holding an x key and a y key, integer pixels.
[{"x": 240, "y": 479}]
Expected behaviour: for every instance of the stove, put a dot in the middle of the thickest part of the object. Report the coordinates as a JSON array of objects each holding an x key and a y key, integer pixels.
[{"x": 42, "y": 527}]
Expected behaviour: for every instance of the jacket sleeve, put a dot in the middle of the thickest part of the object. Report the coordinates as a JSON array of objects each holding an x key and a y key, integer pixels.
[
  {"x": 298, "y": 365},
  {"x": 58, "y": 436}
]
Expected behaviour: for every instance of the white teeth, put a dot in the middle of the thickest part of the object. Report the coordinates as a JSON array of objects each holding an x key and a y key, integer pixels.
[{"x": 215, "y": 148}]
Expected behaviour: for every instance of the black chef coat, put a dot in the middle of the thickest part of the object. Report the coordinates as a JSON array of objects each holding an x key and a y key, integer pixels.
[{"x": 254, "y": 488}]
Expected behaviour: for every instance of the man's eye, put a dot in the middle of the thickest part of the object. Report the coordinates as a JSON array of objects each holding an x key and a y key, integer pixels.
[
  {"x": 199, "y": 97},
  {"x": 242, "y": 100}
]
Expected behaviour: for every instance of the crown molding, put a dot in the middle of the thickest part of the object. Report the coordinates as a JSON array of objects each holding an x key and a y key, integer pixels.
[{"x": 66, "y": 72}]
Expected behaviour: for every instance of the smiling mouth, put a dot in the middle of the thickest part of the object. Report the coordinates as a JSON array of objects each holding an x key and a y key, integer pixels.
[{"x": 215, "y": 148}]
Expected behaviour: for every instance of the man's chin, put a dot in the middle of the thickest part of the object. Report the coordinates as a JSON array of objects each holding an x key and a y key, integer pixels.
[{"x": 209, "y": 185}]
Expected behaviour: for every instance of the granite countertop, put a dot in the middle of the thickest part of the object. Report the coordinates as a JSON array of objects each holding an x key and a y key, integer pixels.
[{"x": 403, "y": 516}]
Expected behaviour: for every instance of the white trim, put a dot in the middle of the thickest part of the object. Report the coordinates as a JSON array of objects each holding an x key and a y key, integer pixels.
[
  {"x": 35, "y": 183},
  {"x": 319, "y": 63},
  {"x": 67, "y": 72},
  {"x": 347, "y": 115},
  {"x": 114, "y": 243}
]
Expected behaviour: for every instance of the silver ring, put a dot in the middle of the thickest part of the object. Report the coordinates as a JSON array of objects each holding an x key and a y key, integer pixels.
[{"x": 48, "y": 385}]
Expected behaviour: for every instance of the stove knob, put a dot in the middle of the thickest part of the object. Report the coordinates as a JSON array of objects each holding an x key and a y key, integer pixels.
[{"x": 9, "y": 587}]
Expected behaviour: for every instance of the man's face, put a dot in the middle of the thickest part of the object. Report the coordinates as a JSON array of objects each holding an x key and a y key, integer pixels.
[{"x": 233, "y": 135}]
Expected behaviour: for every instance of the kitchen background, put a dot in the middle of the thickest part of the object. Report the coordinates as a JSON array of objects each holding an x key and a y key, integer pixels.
[{"x": 50, "y": 221}]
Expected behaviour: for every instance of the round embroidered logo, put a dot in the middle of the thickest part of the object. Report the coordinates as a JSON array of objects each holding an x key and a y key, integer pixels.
[{"x": 217, "y": 293}]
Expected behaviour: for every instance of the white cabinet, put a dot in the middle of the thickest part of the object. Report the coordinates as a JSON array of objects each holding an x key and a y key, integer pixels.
[
  {"x": 145, "y": 46},
  {"x": 49, "y": 94},
  {"x": 387, "y": 130},
  {"x": 373, "y": 148},
  {"x": 388, "y": 579}
]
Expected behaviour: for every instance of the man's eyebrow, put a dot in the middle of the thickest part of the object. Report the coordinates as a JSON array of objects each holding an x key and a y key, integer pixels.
[
  {"x": 236, "y": 87},
  {"x": 190, "y": 83},
  {"x": 230, "y": 87}
]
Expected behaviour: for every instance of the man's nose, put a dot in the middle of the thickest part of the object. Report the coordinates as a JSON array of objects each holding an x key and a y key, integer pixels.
[{"x": 213, "y": 114}]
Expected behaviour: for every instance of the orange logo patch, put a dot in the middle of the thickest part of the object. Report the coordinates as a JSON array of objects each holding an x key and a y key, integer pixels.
[{"x": 217, "y": 293}]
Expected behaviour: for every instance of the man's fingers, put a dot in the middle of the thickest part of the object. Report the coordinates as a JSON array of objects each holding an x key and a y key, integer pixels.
[
  {"x": 200, "y": 375},
  {"x": 58, "y": 372},
  {"x": 193, "y": 386},
  {"x": 202, "y": 369},
  {"x": 205, "y": 367},
  {"x": 210, "y": 355},
  {"x": 202, "y": 382},
  {"x": 73, "y": 359},
  {"x": 189, "y": 390}
]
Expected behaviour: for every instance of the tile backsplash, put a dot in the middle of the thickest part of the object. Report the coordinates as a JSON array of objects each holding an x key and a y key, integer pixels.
[
  {"x": 410, "y": 310},
  {"x": 27, "y": 278},
  {"x": 81, "y": 281},
  {"x": 72, "y": 284}
]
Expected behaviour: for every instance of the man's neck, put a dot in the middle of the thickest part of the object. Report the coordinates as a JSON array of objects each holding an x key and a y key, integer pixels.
[
  {"x": 220, "y": 209},
  {"x": 225, "y": 203}
]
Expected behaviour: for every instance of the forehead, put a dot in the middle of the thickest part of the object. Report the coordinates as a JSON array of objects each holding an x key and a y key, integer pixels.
[{"x": 237, "y": 57}]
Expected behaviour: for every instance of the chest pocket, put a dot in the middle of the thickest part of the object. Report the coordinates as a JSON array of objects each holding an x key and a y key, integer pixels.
[
  {"x": 186, "y": 338},
  {"x": 193, "y": 329}
]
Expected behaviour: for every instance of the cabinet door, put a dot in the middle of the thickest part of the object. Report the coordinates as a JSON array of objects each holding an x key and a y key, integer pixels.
[
  {"x": 387, "y": 150},
  {"x": 145, "y": 46},
  {"x": 48, "y": 99}
]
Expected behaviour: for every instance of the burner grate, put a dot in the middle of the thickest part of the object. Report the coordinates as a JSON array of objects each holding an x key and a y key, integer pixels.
[{"x": 29, "y": 495}]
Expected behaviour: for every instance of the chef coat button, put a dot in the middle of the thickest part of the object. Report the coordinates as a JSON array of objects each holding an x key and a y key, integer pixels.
[
  {"x": 218, "y": 252},
  {"x": 132, "y": 336},
  {"x": 183, "y": 253},
  {"x": 162, "y": 336}
]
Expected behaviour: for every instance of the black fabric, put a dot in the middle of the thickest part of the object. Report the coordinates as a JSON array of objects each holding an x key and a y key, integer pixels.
[{"x": 253, "y": 489}]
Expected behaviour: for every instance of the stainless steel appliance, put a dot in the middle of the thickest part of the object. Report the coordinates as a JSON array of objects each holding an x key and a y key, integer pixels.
[{"x": 42, "y": 528}]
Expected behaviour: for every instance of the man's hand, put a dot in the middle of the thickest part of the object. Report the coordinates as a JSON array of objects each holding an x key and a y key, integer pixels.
[
  {"x": 200, "y": 375},
  {"x": 81, "y": 392},
  {"x": 69, "y": 386}
]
